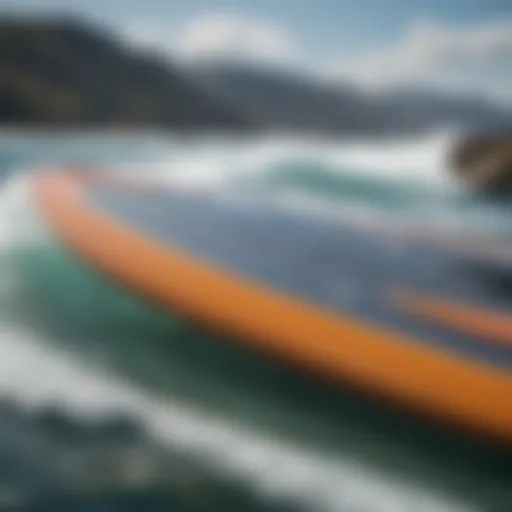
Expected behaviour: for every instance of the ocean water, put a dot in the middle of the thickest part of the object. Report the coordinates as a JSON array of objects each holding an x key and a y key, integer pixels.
[{"x": 71, "y": 339}]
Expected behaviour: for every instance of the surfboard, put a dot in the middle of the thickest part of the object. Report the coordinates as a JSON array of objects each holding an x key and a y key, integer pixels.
[{"x": 399, "y": 319}]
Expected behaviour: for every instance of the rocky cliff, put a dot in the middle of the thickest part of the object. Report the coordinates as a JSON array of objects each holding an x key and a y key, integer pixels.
[{"x": 484, "y": 162}]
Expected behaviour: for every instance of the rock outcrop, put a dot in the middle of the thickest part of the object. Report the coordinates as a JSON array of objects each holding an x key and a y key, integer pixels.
[{"x": 484, "y": 163}]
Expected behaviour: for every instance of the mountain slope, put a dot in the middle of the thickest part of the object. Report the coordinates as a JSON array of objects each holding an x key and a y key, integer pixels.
[
  {"x": 283, "y": 100},
  {"x": 65, "y": 72}
]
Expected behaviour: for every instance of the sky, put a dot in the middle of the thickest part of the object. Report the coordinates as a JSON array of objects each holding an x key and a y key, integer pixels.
[{"x": 458, "y": 45}]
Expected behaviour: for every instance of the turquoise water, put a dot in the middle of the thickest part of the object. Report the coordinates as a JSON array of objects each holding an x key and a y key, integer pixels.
[{"x": 286, "y": 435}]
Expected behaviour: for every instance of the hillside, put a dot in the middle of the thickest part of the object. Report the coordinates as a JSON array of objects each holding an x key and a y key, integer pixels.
[
  {"x": 64, "y": 72},
  {"x": 279, "y": 100},
  {"x": 289, "y": 102}
]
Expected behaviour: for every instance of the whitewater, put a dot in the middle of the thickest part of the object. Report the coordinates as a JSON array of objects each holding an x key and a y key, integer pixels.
[{"x": 401, "y": 181}]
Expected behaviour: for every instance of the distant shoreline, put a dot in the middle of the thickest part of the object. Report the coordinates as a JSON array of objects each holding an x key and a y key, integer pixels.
[
  {"x": 56, "y": 131},
  {"x": 42, "y": 131}
]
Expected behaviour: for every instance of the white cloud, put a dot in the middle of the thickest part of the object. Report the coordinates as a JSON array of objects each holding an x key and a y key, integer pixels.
[
  {"x": 218, "y": 35},
  {"x": 235, "y": 36},
  {"x": 432, "y": 53}
]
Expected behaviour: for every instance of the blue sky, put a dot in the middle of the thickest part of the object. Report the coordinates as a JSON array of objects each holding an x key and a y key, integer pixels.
[
  {"x": 323, "y": 25},
  {"x": 449, "y": 43}
]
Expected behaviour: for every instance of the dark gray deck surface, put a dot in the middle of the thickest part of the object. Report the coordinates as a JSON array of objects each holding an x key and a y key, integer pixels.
[{"x": 325, "y": 263}]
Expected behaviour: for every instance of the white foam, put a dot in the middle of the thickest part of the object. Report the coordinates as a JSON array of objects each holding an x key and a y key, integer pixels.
[
  {"x": 19, "y": 222},
  {"x": 37, "y": 375},
  {"x": 420, "y": 160}
]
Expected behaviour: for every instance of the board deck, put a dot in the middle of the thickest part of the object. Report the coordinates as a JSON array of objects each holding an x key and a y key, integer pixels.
[{"x": 401, "y": 319}]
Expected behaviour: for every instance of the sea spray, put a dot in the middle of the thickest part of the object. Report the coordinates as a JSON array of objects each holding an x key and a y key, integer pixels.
[{"x": 33, "y": 371}]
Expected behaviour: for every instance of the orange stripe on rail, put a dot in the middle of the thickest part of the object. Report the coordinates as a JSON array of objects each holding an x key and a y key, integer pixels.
[
  {"x": 408, "y": 371},
  {"x": 494, "y": 326}
]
